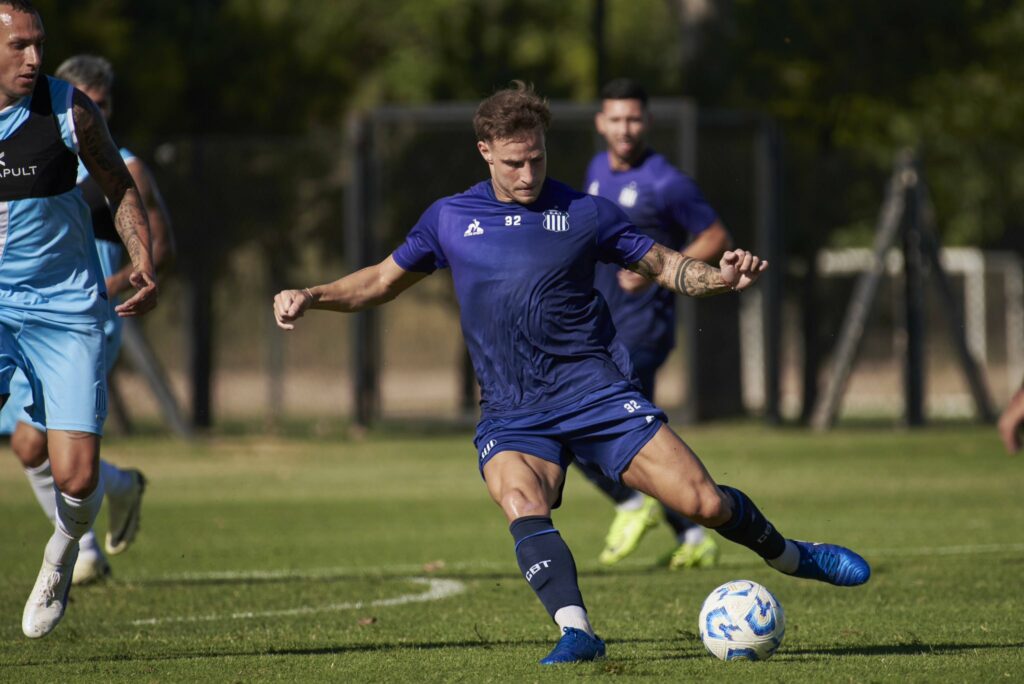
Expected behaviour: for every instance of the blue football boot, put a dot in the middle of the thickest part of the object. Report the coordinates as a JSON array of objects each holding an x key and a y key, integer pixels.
[
  {"x": 575, "y": 646},
  {"x": 830, "y": 563}
]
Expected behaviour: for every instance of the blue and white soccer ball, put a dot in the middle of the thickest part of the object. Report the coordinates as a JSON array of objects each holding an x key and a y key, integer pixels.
[{"x": 741, "y": 620}]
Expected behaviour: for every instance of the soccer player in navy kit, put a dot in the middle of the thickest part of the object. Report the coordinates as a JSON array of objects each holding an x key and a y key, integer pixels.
[
  {"x": 555, "y": 384},
  {"x": 123, "y": 488},
  {"x": 52, "y": 296},
  {"x": 667, "y": 205}
]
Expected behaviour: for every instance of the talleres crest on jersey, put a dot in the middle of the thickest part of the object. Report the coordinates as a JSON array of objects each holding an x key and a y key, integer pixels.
[
  {"x": 556, "y": 221},
  {"x": 628, "y": 195}
]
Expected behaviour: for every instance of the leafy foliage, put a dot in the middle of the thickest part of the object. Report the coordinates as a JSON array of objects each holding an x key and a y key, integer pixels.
[{"x": 851, "y": 83}]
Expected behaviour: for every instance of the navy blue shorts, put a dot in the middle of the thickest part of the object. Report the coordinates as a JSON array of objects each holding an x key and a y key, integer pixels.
[{"x": 606, "y": 428}]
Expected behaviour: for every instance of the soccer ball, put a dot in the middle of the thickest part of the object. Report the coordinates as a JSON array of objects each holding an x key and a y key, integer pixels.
[{"x": 741, "y": 620}]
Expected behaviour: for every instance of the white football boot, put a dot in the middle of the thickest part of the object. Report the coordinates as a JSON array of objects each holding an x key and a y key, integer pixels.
[
  {"x": 123, "y": 515},
  {"x": 49, "y": 597},
  {"x": 91, "y": 566}
]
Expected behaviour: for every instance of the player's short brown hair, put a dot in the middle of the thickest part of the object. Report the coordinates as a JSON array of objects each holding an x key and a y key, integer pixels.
[
  {"x": 510, "y": 113},
  {"x": 20, "y": 6}
]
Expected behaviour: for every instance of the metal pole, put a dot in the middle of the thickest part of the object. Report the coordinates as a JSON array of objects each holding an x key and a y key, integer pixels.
[
  {"x": 686, "y": 308},
  {"x": 769, "y": 240},
  {"x": 852, "y": 331},
  {"x": 199, "y": 293},
  {"x": 145, "y": 362},
  {"x": 914, "y": 311},
  {"x": 275, "y": 341},
  {"x": 954, "y": 317},
  {"x": 359, "y": 247}
]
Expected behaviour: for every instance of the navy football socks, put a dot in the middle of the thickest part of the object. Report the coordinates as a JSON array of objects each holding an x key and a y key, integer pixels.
[
  {"x": 546, "y": 562},
  {"x": 749, "y": 527}
]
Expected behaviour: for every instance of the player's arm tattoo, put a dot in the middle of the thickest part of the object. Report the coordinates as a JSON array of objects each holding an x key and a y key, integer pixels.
[
  {"x": 104, "y": 162},
  {"x": 679, "y": 273},
  {"x": 162, "y": 245}
]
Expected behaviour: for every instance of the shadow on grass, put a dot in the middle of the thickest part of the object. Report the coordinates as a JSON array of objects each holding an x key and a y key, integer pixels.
[
  {"x": 485, "y": 644},
  {"x": 896, "y": 649},
  {"x": 876, "y": 650},
  {"x": 691, "y": 652}
]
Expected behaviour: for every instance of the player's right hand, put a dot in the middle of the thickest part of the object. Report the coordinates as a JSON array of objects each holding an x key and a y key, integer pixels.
[
  {"x": 740, "y": 268},
  {"x": 289, "y": 305},
  {"x": 145, "y": 296}
]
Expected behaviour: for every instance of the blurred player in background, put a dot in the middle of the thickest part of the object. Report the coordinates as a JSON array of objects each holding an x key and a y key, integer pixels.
[
  {"x": 1011, "y": 420},
  {"x": 53, "y": 301},
  {"x": 94, "y": 77},
  {"x": 667, "y": 205},
  {"x": 554, "y": 382}
]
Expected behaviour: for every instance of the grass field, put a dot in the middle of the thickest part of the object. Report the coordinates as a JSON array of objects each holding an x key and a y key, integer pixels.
[{"x": 271, "y": 559}]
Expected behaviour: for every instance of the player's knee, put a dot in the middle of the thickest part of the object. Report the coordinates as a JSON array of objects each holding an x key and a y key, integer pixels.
[
  {"x": 78, "y": 484},
  {"x": 518, "y": 504},
  {"x": 29, "y": 446},
  {"x": 712, "y": 508}
]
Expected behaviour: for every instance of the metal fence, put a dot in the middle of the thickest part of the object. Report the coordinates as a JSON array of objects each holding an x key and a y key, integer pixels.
[{"x": 253, "y": 215}]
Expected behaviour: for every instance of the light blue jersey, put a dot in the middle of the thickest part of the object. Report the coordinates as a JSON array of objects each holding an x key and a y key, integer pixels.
[
  {"x": 48, "y": 262},
  {"x": 53, "y": 302}
]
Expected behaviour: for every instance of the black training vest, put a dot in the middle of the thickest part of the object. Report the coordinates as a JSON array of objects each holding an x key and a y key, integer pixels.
[{"x": 34, "y": 161}]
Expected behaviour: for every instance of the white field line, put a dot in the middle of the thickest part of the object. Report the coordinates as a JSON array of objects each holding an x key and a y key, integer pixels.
[
  {"x": 437, "y": 589},
  {"x": 384, "y": 571},
  {"x": 509, "y": 566}
]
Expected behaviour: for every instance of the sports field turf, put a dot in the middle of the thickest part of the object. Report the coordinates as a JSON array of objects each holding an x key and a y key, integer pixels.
[{"x": 270, "y": 559}]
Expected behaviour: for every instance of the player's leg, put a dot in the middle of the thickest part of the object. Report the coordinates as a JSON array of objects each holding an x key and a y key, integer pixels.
[
  {"x": 65, "y": 367},
  {"x": 74, "y": 461},
  {"x": 29, "y": 444},
  {"x": 124, "y": 487},
  {"x": 667, "y": 469},
  {"x": 527, "y": 488},
  {"x": 635, "y": 514},
  {"x": 28, "y": 441},
  {"x": 694, "y": 546}
]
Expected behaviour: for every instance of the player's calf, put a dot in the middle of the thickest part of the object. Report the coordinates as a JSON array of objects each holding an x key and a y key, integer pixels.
[
  {"x": 823, "y": 562},
  {"x": 549, "y": 569}
]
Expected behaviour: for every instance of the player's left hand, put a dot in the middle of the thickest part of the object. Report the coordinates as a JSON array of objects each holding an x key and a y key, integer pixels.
[
  {"x": 741, "y": 268},
  {"x": 145, "y": 297}
]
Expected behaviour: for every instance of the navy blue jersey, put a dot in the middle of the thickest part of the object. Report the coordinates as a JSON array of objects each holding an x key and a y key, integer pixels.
[
  {"x": 537, "y": 331},
  {"x": 665, "y": 204}
]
